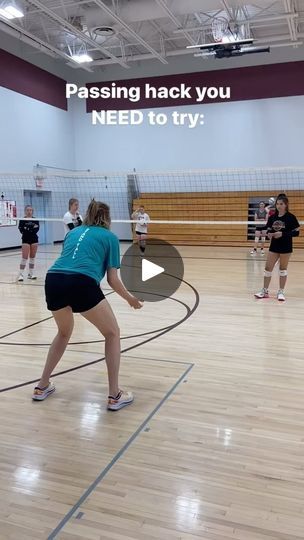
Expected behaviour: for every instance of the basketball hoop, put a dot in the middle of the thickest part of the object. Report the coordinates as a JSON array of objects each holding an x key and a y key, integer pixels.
[
  {"x": 219, "y": 28},
  {"x": 39, "y": 182},
  {"x": 39, "y": 176}
]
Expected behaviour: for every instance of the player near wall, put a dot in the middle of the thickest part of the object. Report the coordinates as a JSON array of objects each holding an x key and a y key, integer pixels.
[
  {"x": 141, "y": 227},
  {"x": 72, "y": 218},
  {"x": 72, "y": 285},
  {"x": 260, "y": 217},
  {"x": 282, "y": 227},
  {"x": 29, "y": 228}
]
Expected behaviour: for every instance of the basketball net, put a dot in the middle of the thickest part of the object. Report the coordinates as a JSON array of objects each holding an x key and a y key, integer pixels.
[{"x": 219, "y": 28}]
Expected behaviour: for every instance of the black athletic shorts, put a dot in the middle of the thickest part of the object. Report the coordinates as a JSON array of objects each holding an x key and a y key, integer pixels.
[
  {"x": 30, "y": 239},
  {"x": 78, "y": 291},
  {"x": 261, "y": 228},
  {"x": 140, "y": 233}
]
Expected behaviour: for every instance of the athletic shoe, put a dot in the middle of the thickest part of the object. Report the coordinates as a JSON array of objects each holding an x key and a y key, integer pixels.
[
  {"x": 262, "y": 252},
  {"x": 122, "y": 400},
  {"x": 262, "y": 294},
  {"x": 31, "y": 276},
  {"x": 20, "y": 278},
  {"x": 40, "y": 394},
  {"x": 281, "y": 296},
  {"x": 253, "y": 252}
]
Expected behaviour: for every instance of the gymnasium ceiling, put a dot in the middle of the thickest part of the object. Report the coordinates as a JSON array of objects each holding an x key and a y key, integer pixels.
[{"x": 121, "y": 34}]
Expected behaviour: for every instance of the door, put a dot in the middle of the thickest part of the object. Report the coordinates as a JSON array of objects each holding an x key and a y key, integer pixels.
[{"x": 41, "y": 202}]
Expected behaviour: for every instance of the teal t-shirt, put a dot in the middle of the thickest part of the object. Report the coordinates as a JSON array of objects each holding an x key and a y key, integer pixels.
[{"x": 88, "y": 250}]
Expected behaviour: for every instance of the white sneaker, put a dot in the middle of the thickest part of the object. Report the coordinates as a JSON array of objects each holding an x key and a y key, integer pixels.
[
  {"x": 31, "y": 276},
  {"x": 281, "y": 296},
  {"x": 40, "y": 394},
  {"x": 20, "y": 278},
  {"x": 253, "y": 252},
  {"x": 262, "y": 294},
  {"x": 262, "y": 252},
  {"x": 122, "y": 400}
]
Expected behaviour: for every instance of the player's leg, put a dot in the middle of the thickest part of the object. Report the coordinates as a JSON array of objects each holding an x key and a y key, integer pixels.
[
  {"x": 263, "y": 240},
  {"x": 33, "y": 252},
  {"x": 103, "y": 318},
  {"x": 25, "y": 250},
  {"x": 65, "y": 323},
  {"x": 142, "y": 242},
  {"x": 256, "y": 242},
  {"x": 272, "y": 258},
  {"x": 284, "y": 260}
]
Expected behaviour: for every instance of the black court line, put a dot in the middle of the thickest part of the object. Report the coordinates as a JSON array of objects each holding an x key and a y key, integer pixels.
[
  {"x": 23, "y": 344},
  {"x": 26, "y": 327},
  {"x": 34, "y": 324},
  {"x": 117, "y": 456},
  {"x": 189, "y": 313}
]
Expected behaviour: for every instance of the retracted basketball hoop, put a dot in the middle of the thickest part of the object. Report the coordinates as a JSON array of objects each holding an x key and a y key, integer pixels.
[
  {"x": 220, "y": 26},
  {"x": 39, "y": 176}
]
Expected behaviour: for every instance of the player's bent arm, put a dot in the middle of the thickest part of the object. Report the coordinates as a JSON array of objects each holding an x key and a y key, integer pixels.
[
  {"x": 70, "y": 226},
  {"x": 293, "y": 233},
  {"x": 118, "y": 287},
  {"x": 21, "y": 226}
]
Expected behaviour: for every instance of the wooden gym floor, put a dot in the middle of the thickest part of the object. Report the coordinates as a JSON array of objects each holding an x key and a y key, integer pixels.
[{"x": 213, "y": 446}]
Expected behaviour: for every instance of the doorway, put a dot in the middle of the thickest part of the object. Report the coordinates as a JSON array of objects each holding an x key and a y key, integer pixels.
[{"x": 41, "y": 201}]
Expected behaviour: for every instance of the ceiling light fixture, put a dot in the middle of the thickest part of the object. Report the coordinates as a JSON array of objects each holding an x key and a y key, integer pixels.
[
  {"x": 11, "y": 11},
  {"x": 82, "y": 58}
]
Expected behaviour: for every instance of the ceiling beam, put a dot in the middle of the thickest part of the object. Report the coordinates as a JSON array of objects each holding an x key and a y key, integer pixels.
[
  {"x": 174, "y": 19},
  {"x": 130, "y": 31},
  {"x": 182, "y": 52},
  {"x": 27, "y": 37},
  {"x": 253, "y": 20},
  {"x": 84, "y": 38}
]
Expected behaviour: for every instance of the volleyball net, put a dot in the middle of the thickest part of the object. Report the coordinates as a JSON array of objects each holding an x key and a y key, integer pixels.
[{"x": 200, "y": 207}]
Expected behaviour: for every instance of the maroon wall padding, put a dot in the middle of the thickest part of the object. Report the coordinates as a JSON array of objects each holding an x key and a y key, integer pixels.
[
  {"x": 22, "y": 77},
  {"x": 258, "y": 82}
]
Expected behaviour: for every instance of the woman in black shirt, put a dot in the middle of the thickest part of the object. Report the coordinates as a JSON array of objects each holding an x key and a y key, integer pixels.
[
  {"x": 281, "y": 228},
  {"x": 29, "y": 229}
]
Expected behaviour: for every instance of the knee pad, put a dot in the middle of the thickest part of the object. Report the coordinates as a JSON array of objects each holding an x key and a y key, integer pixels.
[
  {"x": 257, "y": 238},
  {"x": 263, "y": 239},
  {"x": 267, "y": 273},
  {"x": 32, "y": 261},
  {"x": 283, "y": 273},
  {"x": 23, "y": 262}
]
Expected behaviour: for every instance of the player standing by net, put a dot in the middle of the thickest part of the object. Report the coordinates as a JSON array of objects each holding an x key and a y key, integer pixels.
[
  {"x": 141, "y": 227},
  {"x": 72, "y": 285},
  {"x": 29, "y": 228},
  {"x": 260, "y": 217},
  {"x": 72, "y": 218},
  {"x": 281, "y": 228}
]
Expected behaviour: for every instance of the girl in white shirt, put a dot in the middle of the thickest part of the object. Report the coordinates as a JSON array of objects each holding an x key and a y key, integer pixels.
[
  {"x": 72, "y": 218},
  {"x": 141, "y": 227}
]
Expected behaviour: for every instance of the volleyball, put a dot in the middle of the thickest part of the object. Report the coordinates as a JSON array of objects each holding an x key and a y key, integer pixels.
[{"x": 271, "y": 201}]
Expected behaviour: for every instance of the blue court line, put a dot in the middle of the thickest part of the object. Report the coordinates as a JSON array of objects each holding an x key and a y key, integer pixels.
[{"x": 117, "y": 456}]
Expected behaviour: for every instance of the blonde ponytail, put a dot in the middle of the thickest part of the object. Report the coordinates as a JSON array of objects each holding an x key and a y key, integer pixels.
[{"x": 98, "y": 213}]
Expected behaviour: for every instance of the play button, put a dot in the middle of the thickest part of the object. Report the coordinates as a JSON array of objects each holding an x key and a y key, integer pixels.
[
  {"x": 149, "y": 270},
  {"x": 155, "y": 274}
]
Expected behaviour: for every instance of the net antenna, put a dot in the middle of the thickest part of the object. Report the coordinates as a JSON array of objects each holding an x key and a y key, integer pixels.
[{"x": 40, "y": 174}]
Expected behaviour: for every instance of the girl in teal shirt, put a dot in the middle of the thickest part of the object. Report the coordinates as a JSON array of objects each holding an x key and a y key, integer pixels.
[{"x": 72, "y": 285}]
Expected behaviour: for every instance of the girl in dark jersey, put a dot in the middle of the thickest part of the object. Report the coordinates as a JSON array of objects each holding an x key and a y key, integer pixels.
[
  {"x": 281, "y": 228},
  {"x": 260, "y": 217},
  {"x": 29, "y": 229},
  {"x": 72, "y": 285}
]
